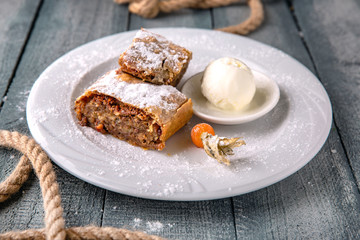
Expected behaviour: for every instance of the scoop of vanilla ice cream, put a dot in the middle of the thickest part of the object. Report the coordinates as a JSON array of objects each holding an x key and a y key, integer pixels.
[{"x": 228, "y": 84}]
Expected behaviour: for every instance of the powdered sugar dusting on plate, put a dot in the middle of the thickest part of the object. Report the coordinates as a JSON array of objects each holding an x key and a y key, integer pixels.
[{"x": 285, "y": 138}]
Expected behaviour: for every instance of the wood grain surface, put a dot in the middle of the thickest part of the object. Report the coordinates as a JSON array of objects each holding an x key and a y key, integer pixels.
[
  {"x": 331, "y": 31},
  {"x": 16, "y": 19},
  {"x": 320, "y": 201}
]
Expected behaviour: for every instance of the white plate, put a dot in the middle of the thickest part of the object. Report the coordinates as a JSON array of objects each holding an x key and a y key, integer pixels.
[
  {"x": 278, "y": 144},
  {"x": 266, "y": 97}
]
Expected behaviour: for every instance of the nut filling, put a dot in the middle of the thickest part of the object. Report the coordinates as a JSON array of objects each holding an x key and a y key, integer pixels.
[{"x": 109, "y": 115}]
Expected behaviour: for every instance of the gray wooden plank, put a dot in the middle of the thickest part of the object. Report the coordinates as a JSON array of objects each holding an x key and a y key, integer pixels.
[
  {"x": 16, "y": 18},
  {"x": 193, "y": 18},
  {"x": 60, "y": 27},
  {"x": 320, "y": 200},
  {"x": 331, "y": 30},
  {"x": 175, "y": 220}
]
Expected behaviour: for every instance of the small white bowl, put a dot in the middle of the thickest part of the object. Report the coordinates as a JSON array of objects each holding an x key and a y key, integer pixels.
[{"x": 266, "y": 97}]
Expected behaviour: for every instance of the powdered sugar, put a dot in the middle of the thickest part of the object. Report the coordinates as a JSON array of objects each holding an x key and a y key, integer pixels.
[
  {"x": 150, "y": 226},
  {"x": 150, "y": 52},
  {"x": 142, "y": 95},
  {"x": 154, "y": 226},
  {"x": 143, "y": 34},
  {"x": 21, "y": 105}
]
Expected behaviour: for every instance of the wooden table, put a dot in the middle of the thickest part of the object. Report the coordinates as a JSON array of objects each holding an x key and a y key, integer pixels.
[{"x": 320, "y": 201}]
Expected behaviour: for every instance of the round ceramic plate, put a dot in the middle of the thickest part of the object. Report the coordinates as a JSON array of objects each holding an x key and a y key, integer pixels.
[
  {"x": 266, "y": 97},
  {"x": 277, "y": 144}
]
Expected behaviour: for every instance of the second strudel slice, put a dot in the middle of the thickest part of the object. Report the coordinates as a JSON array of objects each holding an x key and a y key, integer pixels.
[
  {"x": 153, "y": 58},
  {"x": 140, "y": 113}
]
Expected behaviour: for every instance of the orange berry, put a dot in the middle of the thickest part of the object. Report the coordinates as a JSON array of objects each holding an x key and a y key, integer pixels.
[{"x": 196, "y": 132}]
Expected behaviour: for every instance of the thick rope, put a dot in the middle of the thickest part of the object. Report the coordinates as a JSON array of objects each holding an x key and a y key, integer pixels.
[
  {"x": 151, "y": 8},
  {"x": 13, "y": 183},
  {"x": 79, "y": 233},
  {"x": 252, "y": 23},
  {"x": 54, "y": 221}
]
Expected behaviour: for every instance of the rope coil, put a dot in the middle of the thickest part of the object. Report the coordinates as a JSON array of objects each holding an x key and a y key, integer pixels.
[
  {"x": 151, "y": 8},
  {"x": 34, "y": 157}
]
